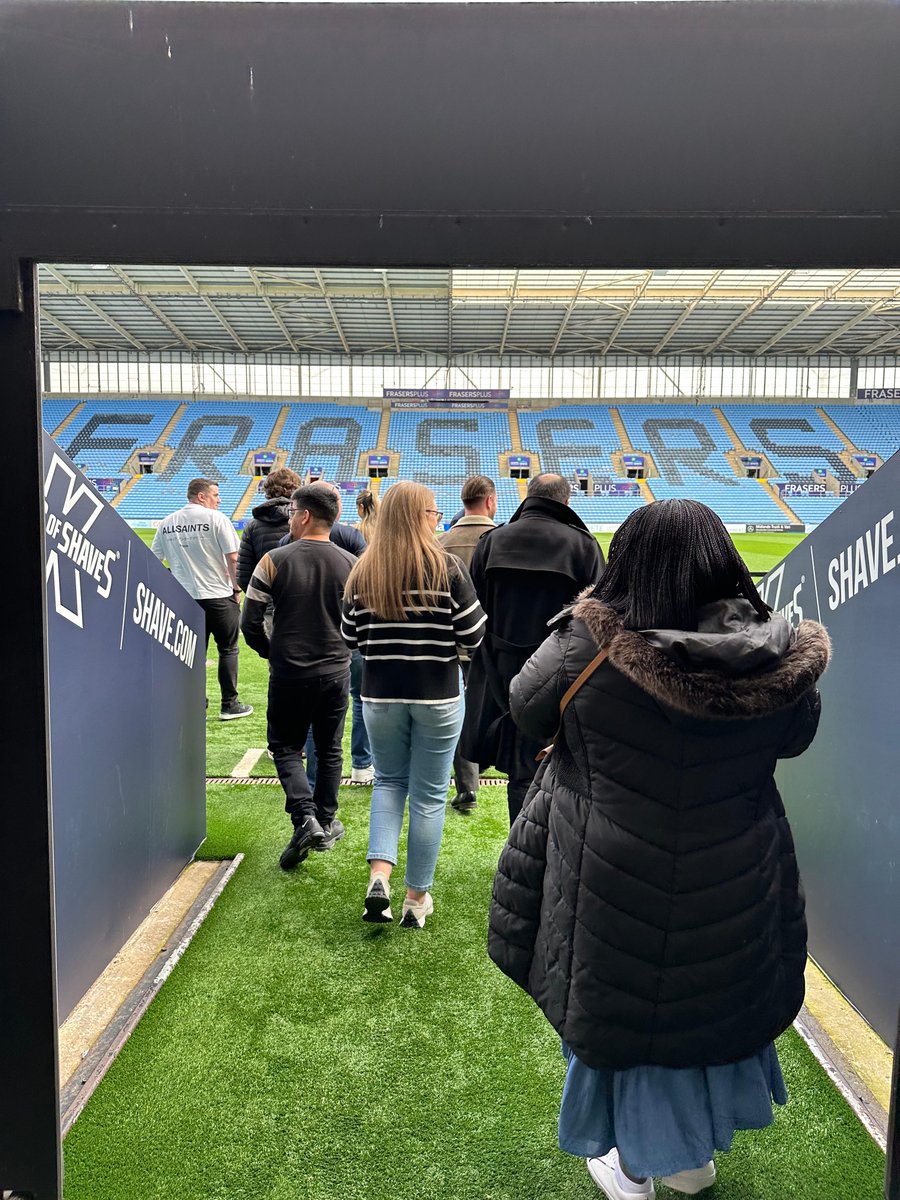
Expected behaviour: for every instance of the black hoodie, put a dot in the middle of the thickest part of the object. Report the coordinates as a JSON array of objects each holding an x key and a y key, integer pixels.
[{"x": 269, "y": 525}]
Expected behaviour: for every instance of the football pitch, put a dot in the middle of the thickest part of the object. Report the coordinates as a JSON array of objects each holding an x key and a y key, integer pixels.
[{"x": 760, "y": 551}]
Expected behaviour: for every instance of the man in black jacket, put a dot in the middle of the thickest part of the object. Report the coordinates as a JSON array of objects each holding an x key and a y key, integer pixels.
[
  {"x": 269, "y": 523},
  {"x": 309, "y": 665},
  {"x": 524, "y": 573}
]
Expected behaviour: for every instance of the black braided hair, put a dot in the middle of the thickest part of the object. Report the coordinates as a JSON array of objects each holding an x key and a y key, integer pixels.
[{"x": 668, "y": 559}]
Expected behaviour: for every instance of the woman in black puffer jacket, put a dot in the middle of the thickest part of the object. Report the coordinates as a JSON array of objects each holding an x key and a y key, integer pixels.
[
  {"x": 648, "y": 897},
  {"x": 270, "y": 523}
]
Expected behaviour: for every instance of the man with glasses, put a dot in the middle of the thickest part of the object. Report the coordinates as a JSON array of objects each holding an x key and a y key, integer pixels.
[
  {"x": 361, "y": 769},
  {"x": 309, "y": 678}
]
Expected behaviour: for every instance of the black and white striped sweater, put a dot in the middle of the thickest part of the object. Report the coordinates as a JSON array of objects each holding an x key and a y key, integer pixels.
[{"x": 416, "y": 661}]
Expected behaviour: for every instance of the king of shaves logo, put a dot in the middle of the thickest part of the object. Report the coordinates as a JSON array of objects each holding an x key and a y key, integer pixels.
[{"x": 70, "y": 510}]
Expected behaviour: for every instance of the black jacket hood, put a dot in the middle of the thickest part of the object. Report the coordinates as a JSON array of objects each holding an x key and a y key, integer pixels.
[
  {"x": 692, "y": 672},
  {"x": 731, "y": 636},
  {"x": 275, "y": 511}
]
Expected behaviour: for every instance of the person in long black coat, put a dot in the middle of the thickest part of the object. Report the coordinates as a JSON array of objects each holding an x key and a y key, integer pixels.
[
  {"x": 523, "y": 572},
  {"x": 648, "y": 898}
]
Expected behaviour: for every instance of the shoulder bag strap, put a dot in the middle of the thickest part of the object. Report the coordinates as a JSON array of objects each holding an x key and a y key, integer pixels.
[{"x": 569, "y": 694}]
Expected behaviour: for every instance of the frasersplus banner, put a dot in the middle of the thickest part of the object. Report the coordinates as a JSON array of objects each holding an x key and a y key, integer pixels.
[
  {"x": 841, "y": 794},
  {"x": 127, "y": 674},
  {"x": 447, "y": 397}
]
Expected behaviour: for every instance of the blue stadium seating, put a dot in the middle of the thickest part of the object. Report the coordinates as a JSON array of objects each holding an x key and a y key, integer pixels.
[
  {"x": 443, "y": 448},
  {"x": 872, "y": 428},
  {"x": 793, "y": 437},
  {"x": 106, "y": 433},
  {"x": 813, "y": 510},
  {"x": 440, "y": 448},
  {"x": 570, "y": 437},
  {"x": 689, "y": 445},
  {"x": 54, "y": 412},
  {"x": 213, "y": 439},
  {"x": 747, "y": 501},
  {"x": 329, "y": 436}
]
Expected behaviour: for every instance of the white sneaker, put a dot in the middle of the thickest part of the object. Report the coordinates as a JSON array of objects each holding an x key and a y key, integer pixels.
[
  {"x": 378, "y": 900},
  {"x": 691, "y": 1182},
  {"x": 608, "y": 1176},
  {"x": 415, "y": 912},
  {"x": 362, "y": 775}
]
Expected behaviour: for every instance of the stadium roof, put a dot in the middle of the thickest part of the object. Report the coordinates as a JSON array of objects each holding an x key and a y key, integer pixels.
[{"x": 448, "y": 313}]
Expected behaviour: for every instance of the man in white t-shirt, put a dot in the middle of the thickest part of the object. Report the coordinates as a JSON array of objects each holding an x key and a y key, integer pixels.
[{"x": 201, "y": 547}]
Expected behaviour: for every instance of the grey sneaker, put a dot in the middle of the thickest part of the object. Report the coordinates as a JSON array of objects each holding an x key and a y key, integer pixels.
[
  {"x": 308, "y": 835},
  {"x": 334, "y": 831},
  {"x": 378, "y": 900},
  {"x": 415, "y": 912},
  {"x": 233, "y": 710}
]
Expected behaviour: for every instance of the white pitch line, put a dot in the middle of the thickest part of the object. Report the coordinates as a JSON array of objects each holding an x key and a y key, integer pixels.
[{"x": 247, "y": 763}]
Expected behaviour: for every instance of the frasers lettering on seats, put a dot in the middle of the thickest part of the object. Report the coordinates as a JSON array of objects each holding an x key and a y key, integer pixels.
[
  {"x": 862, "y": 563},
  {"x": 158, "y": 620}
]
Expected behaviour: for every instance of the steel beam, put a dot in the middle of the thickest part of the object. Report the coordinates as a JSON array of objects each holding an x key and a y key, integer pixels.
[{"x": 30, "y": 1157}]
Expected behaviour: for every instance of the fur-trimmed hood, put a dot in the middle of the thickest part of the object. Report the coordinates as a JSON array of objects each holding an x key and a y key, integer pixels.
[{"x": 703, "y": 679}]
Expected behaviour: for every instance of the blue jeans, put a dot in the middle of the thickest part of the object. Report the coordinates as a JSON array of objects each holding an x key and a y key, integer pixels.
[
  {"x": 360, "y": 753},
  {"x": 413, "y": 747}
]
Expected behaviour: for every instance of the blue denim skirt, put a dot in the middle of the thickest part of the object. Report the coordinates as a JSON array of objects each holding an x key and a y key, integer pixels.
[{"x": 665, "y": 1120}]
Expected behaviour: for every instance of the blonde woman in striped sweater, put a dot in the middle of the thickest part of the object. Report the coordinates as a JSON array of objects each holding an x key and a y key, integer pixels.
[{"x": 411, "y": 611}]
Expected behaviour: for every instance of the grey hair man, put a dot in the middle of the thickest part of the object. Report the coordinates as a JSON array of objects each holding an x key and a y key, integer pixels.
[{"x": 524, "y": 573}]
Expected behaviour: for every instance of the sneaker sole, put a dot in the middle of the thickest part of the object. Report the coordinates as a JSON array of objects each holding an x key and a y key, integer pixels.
[
  {"x": 234, "y": 716},
  {"x": 330, "y": 843},
  {"x": 377, "y": 910},
  {"x": 411, "y": 921},
  {"x": 605, "y": 1179},
  {"x": 292, "y": 856},
  {"x": 689, "y": 1183},
  {"x": 287, "y": 862}
]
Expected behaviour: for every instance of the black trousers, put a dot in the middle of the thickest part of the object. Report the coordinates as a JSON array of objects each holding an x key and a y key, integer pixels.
[
  {"x": 295, "y": 705},
  {"x": 515, "y": 795},
  {"x": 223, "y": 621},
  {"x": 465, "y": 773}
]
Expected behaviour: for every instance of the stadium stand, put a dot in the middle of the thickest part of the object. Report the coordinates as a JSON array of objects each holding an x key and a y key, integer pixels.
[
  {"x": 212, "y": 438},
  {"x": 687, "y": 443},
  {"x": 106, "y": 433},
  {"x": 54, "y": 412},
  {"x": 793, "y": 437},
  {"x": 441, "y": 449},
  {"x": 329, "y": 436},
  {"x": 873, "y": 429},
  {"x": 574, "y": 437}
]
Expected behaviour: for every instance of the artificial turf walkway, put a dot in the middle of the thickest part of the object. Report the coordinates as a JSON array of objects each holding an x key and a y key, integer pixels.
[{"x": 299, "y": 1054}]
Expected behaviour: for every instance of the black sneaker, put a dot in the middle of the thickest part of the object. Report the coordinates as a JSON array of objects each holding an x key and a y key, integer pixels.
[
  {"x": 334, "y": 831},
  {"x": 308, "y": 835},
  {"x": 464, "y": 802},
  {"x": 234, "y": 709}
]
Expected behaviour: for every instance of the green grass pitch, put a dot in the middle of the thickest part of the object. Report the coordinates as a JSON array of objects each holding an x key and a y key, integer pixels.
[{"x": 299, "y": 1054}]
